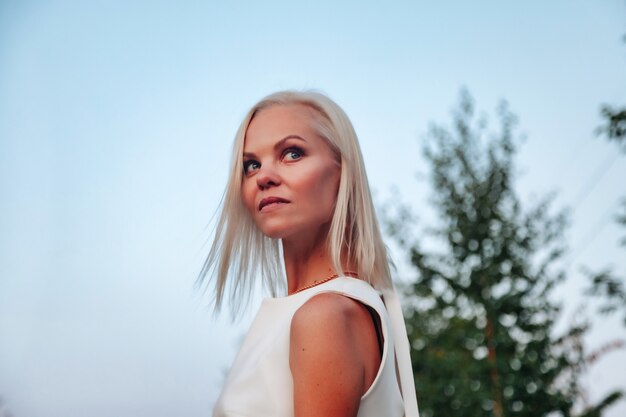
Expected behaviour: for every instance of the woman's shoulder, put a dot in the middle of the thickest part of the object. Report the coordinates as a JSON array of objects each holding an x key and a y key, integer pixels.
[
  {"x": 327, "y": 306},
  {"x": 333, "y": 349},
  {"x": 340, "y": 310},
  {"x": 329, "y": 316}
]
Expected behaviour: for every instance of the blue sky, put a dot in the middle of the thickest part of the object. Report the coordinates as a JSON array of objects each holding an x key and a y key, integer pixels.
[{"x": 116, "y": 121}]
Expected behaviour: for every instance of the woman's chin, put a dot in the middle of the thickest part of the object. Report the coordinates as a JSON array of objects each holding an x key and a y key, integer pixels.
[{"x": 274, "y": 231}]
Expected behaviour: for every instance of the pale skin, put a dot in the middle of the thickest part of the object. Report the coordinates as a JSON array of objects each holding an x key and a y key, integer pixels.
[{"x": 334, "y": 352}]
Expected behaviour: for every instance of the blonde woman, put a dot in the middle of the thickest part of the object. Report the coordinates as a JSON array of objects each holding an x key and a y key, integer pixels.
[{"x": 298, "y": 215}]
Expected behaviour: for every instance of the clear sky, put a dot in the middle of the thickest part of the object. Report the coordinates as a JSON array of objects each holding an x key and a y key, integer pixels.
[{"x": 116, "y": 121}]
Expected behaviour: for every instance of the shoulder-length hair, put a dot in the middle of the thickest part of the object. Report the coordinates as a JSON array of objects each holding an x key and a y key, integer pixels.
[{"x": 240, "y": 253}]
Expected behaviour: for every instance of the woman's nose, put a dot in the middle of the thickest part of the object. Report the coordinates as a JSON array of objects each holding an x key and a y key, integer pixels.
[{"x": 267, "y": 177}]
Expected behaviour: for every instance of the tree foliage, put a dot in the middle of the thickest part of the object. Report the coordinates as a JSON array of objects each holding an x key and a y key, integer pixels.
[
  {"x": 605, "y": 284},
  {"x": 608, "y": 287},
  {"x": 480, "y": 315},
  {"x": 615, "y": 125}
]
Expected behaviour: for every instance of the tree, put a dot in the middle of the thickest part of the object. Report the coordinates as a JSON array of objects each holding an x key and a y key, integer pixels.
[
  {"x": 615, "y": 125},
  {"x": 605, "y": 284},
  {"x": 480, "y": 316},
  {"x": 609, "y": 288},
  {"x": 615, "y": 119}
]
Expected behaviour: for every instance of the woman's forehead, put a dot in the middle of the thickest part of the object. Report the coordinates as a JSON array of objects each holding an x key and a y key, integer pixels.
[
  {"x": 286, "y": 114},
  {"x": 276, "y": 122}
]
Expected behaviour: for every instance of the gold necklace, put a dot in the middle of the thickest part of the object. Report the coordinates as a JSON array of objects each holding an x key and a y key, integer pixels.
[{"x": 333, "y": 276}]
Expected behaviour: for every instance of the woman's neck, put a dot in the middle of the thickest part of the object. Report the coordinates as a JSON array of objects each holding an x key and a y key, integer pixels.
[{"x": 305, "y": 265}]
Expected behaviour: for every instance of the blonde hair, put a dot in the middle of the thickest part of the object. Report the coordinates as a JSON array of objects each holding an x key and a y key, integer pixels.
[{"x": 240, "y": 252}]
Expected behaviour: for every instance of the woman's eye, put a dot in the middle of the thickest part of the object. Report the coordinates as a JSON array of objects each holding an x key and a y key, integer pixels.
[
  {"x": 249, "y": 166},
  {"x": 293, "y": 153}
]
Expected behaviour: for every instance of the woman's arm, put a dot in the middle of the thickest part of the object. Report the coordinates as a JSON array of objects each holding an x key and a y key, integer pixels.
[{"x": 333, "y": 356}]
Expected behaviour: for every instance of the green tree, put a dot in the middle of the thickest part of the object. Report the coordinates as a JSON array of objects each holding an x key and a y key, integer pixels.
[
  {"x": 614, "y": 128},
  {"x": 605, "y": 284},
  {"x": 479, "y": 313},
  {"x": 615, "y": 125}
]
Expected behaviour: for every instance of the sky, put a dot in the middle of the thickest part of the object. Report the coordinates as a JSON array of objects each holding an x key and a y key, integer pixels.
[{"x": 116, "y": 123}]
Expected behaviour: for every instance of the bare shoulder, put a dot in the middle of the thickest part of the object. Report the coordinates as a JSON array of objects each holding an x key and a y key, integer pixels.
[
  {"x": 327, "y": 357},
  {"x": 327, "y": 310}
]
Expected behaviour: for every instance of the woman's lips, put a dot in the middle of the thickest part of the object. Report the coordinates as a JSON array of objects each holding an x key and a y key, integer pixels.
[{"x": 270, "y": 203}]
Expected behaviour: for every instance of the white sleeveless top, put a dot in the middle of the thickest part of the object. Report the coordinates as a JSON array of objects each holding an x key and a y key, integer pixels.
[{"x": 260, "y": 383}]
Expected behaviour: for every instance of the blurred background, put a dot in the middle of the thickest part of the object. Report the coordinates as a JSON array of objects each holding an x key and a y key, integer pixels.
[{"x": 116, "y": 123}]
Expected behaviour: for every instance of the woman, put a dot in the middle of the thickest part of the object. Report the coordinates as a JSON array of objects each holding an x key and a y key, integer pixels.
[{"x": 331, "y": 346}]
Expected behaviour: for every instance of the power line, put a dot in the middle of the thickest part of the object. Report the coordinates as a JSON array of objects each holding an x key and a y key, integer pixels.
[
  {"x": 591, "y": 235},
  {"x": 595, "y": 179}
]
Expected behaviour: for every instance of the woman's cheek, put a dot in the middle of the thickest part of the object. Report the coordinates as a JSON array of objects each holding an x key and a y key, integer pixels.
[{"x": 247, "y": 197}]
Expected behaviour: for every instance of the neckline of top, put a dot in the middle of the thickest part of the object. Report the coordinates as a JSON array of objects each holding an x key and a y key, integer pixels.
[{"x": 332, "y": 282}]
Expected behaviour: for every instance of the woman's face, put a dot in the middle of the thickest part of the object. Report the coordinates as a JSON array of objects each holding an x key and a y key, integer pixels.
[{"x": 291, "y": 176}]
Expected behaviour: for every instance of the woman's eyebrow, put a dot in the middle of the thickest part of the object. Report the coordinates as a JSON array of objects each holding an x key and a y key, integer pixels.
[
  {"x": 286, "y": 138},
  {"x": 276, "y": 145}
]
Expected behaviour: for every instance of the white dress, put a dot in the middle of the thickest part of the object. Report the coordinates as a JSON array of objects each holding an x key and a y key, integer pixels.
[{"x": 260, "y": 383}]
